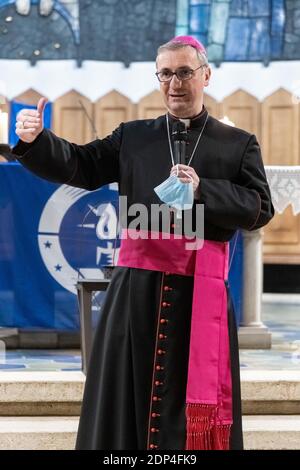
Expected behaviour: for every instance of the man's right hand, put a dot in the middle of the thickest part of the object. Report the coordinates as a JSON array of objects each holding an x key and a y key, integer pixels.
[{"x": 30, "y": 122}]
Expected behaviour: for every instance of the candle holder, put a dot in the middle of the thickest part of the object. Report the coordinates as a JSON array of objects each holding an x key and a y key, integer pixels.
[{"x": 3, "y": 127}]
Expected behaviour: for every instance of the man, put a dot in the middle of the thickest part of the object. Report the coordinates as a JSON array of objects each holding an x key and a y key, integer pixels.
[{"x": 164, "y": 370}]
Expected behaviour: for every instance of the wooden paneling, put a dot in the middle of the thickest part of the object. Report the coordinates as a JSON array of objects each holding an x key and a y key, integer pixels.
[
  {"x": 110, "y": 111},
  {"x": 212, "y": 106},
  {"x": 282, "y": 239},
  {"x": 70, "y": 119},
  {"x": 151, "y": 106},
  {"x": 280, "y": 143},
  {"x": 244, "y": 110},
  {"x": 29, "y": 96},
  {"x": 280, "y": 129},
  {"x": 4, "y": 104}
]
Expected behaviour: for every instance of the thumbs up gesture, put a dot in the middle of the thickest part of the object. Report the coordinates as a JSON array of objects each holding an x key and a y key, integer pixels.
[{"x": 30, "y": 122}]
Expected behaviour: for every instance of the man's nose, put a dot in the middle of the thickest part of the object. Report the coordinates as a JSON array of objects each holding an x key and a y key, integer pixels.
[{"x": 175, "y": 81}]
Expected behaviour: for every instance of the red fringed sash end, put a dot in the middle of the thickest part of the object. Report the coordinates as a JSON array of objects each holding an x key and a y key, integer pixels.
[{"x": 204, "y": 432}]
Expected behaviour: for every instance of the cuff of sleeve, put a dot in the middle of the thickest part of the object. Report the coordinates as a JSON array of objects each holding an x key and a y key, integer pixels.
[{"x": 21, "y": 148}]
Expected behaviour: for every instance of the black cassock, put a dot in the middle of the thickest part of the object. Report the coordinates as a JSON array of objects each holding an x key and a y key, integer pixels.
[{"x": 135, "y": 398}]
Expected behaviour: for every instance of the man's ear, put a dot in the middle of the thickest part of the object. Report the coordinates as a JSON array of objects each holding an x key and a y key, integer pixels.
[{"x": 207, "y": 75}]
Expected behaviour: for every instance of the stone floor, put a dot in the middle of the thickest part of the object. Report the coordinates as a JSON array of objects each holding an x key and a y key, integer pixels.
[{"x": 280, "y": 313}]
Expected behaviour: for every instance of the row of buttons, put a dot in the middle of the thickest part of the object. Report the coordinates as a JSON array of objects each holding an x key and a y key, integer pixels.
[{"x": 158, "y": 367}]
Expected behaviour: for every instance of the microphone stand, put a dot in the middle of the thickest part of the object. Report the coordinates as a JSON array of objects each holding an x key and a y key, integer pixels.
[{"x": 91, "y": 122}]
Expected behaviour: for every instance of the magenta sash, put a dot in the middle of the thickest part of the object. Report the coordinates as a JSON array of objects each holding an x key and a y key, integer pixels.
[{"x": 209, "y": 388}]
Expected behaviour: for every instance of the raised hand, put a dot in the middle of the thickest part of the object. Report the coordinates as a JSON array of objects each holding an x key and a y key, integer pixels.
[{"x": 30, "y": 122}]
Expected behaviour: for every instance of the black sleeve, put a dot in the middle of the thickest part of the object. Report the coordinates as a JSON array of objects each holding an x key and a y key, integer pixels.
[
  {"x": 86, "y": 166},
  {"x": 245, "y": 203}
]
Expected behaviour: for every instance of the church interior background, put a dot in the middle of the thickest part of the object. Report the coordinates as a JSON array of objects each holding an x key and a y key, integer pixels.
[{"x": 95, "y": 62}]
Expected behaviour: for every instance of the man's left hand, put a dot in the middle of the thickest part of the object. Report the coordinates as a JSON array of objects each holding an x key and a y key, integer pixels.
[{"x": 183, "y": 172}]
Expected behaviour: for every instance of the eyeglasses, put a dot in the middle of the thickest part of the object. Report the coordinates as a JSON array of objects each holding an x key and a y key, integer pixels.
[{"x": 182, "y": 73}]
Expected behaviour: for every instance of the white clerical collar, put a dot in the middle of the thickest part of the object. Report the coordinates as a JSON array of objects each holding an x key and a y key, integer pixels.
[{"x": 186, "y": 122}]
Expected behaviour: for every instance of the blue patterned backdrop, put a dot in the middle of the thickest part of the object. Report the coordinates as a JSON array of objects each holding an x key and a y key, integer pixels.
[
  {"x": 130, "y": 31},
  {"x": 243, "y": 30}
]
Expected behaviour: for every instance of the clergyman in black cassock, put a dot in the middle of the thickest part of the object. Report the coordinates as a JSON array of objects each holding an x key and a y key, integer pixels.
[{"x": 135, "y": 398}]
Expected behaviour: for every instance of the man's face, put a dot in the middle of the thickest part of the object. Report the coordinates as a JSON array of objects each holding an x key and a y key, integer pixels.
[{"x": 183, "y": 98}]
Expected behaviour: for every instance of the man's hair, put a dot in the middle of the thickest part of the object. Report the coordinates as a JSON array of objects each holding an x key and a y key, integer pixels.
[{"x": 174, "y": 46}]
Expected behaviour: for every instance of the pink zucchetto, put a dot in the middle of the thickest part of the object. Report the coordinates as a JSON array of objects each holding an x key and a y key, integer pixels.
[{"x": 190, "y": 41}]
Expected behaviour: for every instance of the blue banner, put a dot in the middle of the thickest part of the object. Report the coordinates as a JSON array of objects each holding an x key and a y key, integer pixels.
[
  {"x": 50, "y": 236},
  {"x": 235, "y": 278}
]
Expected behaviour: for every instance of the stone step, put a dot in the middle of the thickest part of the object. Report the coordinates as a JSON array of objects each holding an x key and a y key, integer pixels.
[
  {"x": 60, "y": 393},
  {"x": 271, "y": 432},
  {"x": 41, "y": 393},
  {"x": 59, "y": 433},
  {"x": 270, "y": 392},
  {"x": 42, "y": 433}
]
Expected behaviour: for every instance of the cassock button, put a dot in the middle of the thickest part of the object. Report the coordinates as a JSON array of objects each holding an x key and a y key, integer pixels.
[
  {"x": 155, "y": 398},
  {"x": 152, "y": 446},
  {"x": 161, "y": 351},
  {"x": 154, "y": 430},
  {"x": 157, "y": 383},
  {"x": 163, "y": 320},
  {"x": 161, "y": 336},
  {"x": 155, "y": 415},
  {"x": 159, "y": 367},
  {"x": 166, "y": 288}
]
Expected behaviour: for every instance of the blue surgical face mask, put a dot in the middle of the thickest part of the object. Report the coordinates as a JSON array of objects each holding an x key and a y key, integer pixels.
[{"x": 176, "y": 194}]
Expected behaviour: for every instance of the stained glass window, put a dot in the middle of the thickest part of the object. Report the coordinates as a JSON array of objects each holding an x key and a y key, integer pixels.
[{"x": 243, "y": 30}]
